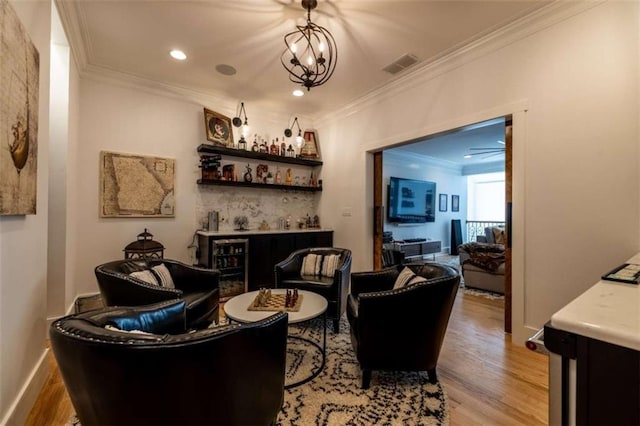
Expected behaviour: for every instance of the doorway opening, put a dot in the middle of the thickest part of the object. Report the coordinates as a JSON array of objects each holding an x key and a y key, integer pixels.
[{"x": 448, "y": 159}]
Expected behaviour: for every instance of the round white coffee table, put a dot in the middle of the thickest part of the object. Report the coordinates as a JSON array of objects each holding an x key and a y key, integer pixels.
[{"x": 312, "y": 306}]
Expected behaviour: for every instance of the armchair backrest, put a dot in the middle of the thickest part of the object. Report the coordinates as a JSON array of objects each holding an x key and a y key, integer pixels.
[
  {"x": 204, "y": 377},
  {"x": 119, "y": 288}
]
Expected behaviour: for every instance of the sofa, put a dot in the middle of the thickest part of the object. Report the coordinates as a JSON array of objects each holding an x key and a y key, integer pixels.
[
  {"x": 142, "y": 366},
  {"x": 483, "y": 262}
]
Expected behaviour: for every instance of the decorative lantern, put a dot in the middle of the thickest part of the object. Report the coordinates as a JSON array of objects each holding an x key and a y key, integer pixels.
[{"x": 144, "y": 247}]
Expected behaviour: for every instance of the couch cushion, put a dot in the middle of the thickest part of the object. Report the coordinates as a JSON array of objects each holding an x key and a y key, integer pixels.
[{"x": 498, "y": 235}]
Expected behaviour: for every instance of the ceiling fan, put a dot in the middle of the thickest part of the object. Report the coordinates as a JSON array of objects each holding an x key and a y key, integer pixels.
[{"x": 489, "y": 152}]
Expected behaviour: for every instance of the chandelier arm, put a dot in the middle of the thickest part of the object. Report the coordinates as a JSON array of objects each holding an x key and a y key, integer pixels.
[{"x": 311, "y": 54}]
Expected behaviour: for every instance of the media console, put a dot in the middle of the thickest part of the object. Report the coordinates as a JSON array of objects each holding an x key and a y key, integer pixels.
[{"x": 416, "y": 249}]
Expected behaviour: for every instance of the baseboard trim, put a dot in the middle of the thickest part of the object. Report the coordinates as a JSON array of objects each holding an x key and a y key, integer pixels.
[{"x": 26, "y": 398}]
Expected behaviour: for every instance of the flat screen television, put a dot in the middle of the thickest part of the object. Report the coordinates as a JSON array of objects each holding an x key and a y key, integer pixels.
[{"x": 411, "y": 201}]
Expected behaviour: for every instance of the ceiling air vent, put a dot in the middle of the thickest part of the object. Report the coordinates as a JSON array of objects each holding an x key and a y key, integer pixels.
[{"x": 401, "y": 63}]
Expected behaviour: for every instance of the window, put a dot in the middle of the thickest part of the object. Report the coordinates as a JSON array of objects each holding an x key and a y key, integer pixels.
[{"x": 485, "y": 197}]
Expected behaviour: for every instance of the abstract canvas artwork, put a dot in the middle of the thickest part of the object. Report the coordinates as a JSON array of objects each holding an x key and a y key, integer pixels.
[{"x": 19, "y": 80}]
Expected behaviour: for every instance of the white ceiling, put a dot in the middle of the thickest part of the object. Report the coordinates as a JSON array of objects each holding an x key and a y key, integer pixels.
[
  {"x": 134, "y": 37},
  {"x": 454, "y": 145}
]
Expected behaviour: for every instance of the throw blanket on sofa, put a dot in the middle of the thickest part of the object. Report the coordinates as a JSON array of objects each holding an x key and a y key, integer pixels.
[{"x": 485, "y": 256}]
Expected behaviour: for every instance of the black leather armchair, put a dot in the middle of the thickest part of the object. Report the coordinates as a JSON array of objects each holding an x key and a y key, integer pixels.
[
  {"x": 207, "y": 377},
  {"x": 199, "y": 287},
  {"x": 400, "y": 329},
  {"x": 334, "y": 289}
]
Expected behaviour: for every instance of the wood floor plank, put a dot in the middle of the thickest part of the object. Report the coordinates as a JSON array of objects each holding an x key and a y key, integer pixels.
[{"x": 488, "y": 380}]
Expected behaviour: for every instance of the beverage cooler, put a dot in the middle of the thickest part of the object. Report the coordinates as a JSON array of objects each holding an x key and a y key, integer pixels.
[{"x": 230, "y": 257}]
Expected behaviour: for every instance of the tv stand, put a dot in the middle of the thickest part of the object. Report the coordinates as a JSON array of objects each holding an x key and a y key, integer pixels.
[{"x": 416, "y": 250}]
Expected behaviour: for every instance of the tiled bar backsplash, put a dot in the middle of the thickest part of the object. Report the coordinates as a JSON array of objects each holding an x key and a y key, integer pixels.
[{"x": 256, "y": 204}]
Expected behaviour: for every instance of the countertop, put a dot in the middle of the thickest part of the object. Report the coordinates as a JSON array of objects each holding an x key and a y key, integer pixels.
[
  {"x": 609, "y": 311},
  {"x": 259, "y": 232}
]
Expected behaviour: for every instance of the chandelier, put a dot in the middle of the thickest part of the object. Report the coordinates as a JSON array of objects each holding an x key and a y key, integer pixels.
[{"x": 311, "y": 54}]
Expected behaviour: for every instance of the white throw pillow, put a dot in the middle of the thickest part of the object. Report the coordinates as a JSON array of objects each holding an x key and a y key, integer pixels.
[
  {"x": 146, "y": 276},
  {"x": 164, "y": 276},
  {"x": 329, "y": 265},
  {"x": 403, "y": 279},
  {"x": 311, "y": 264}
]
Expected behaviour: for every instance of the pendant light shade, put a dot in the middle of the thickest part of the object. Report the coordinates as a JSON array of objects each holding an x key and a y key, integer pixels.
[{"x": 311, "y": 54}]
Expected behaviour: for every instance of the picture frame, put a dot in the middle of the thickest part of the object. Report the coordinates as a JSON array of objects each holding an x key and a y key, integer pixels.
[
  {"x": 218, "y": 128},
  {"x": 442, "y": 205},
  {"x": 455, "y": 203},
  {"x": 310, "y": 147},
  {"x": 136, "y": 185},
  {"x": 20, "y": 88}
]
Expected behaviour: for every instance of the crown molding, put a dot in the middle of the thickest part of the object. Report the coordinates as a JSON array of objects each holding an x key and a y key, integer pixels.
[
  {"x": 527, "y": 25},
  {"x": 75, "y": 30}
]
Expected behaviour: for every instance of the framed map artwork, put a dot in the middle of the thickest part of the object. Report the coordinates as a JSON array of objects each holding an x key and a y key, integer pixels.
[
  {"x": 19, "y": 85},
  {"x": 136, "y": 185}
]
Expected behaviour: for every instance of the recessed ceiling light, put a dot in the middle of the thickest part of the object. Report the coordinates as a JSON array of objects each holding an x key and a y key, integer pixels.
[
  {"x": 468, "y": 156},
  {"x": 501, "y": 142},
  {"x": 178, "y": 54},
  {"x": 298, "y": 92},
  {"x": 225, "y": 69}
]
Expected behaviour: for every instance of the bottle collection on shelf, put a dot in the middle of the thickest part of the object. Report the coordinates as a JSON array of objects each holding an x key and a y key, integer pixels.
[
  {"x": 210, "y": 166},
  {"x": 261, "y": 145}
]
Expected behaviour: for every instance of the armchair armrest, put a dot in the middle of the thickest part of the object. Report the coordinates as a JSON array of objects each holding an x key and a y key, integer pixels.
[
  {"x": 367, "y": 282},
  {"x": 192, "y": 278},
  {"x": 288, "y": 268}
]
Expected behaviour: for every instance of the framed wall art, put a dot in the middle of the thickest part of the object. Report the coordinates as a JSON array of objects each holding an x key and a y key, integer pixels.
[
  {"x": 218, "y": 128},
  {"x": 310, "y": 147},
  {"x": 19, "y": 85},
  {"x": 442, "y": 204},
  {"x": 455, "y": 203},
  {"x": 136, "y": 185}
]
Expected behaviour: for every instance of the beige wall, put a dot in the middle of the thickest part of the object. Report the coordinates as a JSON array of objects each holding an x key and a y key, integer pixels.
[
  {"x": 572, "y": 85},
  {"x": 23, "y": 256}
]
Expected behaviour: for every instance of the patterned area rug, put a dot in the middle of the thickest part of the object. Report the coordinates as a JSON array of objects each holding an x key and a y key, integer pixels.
[
  {"x": 483, "y": 293},
  {"x": 334, "y": 397}
]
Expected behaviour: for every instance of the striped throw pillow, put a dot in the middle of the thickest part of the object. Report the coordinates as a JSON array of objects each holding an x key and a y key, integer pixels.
[
  {"x": 164, "y": 276},
  {"x": 403, "y": 279},
  {"x": 146, "y": 276},
  {"x": 311, "y": 264},
  {"x": 329, "y": 265}
]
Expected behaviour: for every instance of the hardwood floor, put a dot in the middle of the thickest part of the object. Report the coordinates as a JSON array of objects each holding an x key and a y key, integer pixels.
[{"x": 488, "y": 380}]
